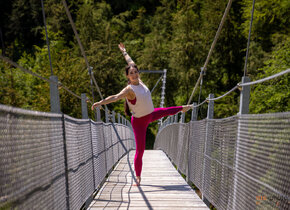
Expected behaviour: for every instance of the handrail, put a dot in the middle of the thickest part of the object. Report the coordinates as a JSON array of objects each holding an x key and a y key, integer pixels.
[
  {"x": 243, "y": 85},
  {"x": 211, "y": 48},
  {"x": 37, "y": 75}
]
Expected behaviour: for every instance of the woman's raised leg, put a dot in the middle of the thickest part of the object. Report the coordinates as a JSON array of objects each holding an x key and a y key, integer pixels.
[{"x": 163, "y": 112}]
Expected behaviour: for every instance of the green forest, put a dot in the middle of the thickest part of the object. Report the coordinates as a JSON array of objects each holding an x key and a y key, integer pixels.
[{"x": 165, "y": 34}]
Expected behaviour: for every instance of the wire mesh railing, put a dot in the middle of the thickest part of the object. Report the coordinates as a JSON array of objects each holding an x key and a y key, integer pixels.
[
  {"x": 53, "y": 161},
  {"x": 240, "y": 162}
]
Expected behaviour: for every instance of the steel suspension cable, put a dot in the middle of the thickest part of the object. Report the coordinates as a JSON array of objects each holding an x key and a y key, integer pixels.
[
  {"x": 81, "y": 48},
  {"x": 200, "y": 91},
  {"x": 265, "y": 79},
  {"x": 22, "y": 69},
  {"x": 249, "y": 38},
  {"x": 244, "y": 84},
  {"x": 212, "y": 47},
  {"x": 46, "y": 35},
  {"x": 36, "y": 75},
  {"x": 156, "y": 83},
  {"x": 75, "y": 32}
]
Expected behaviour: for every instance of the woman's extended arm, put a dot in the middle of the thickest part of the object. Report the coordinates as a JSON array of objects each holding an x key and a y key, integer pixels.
[
  {"x": 113, "y": 98},
  {"x": 125, "y": 54}
]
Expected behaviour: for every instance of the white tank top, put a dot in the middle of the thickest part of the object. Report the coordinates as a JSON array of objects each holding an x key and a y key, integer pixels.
[{"x": 144, "y": 104}]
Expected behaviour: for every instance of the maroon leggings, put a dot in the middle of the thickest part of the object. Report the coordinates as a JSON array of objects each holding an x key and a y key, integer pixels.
[{"x": 139, "y": 128}]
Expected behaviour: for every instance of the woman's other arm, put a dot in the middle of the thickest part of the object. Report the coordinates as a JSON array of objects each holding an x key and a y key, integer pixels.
[
  {"x": 125, "y": 54},
  {"x": 113, "y": 98}
]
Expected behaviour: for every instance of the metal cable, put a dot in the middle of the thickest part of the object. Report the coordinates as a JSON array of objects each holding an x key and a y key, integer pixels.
[
  {"x": 217, "y": 98},
  {"x": 249, "y": 39},
  {"x": 198, "y": 105},
  {"x": 240, "y": 162},
  {"x": 46, "y": 35},
  {"x": 227, "y": 93},
  {"x": 245, "y": 84},
  {"x": 68, "y": 90},
  {"x": 200, "y": 91},
  {"x": 82, "y": 50},
  {"x": 36, "y": 75},
  {"x": 217, "y": 34},
  {"x": 196, "y": 84},
  {"x": 265, "y": 79},
  {"x": 48, "y": 159},
  {"x": 22, "y": 69},
  {"x": 75, "y": 32},
  {"x": 212, "y": 47},
  {"x": 50, "y": 63},
  {"x": 156, "y": 84},
  {"x": 97, "y": 86}
]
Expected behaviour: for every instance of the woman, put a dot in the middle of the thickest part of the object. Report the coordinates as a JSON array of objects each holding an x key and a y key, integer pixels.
[{"x": 139, "y": 101}]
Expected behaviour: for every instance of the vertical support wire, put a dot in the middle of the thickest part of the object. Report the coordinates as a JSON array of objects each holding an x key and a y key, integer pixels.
[
  {"x": 90, "y": 69},
  {"x": 65, "y": 162},
  {"x": 249, "y": 38},
  {"x": 210, "y": 115},
  {"x": 163, "y": 93},
  {"x": 188, "y": 155},
  {"x": 46, "y": 35},
  {"x": 93, "y": 159},
  {"x": 105, "y": 148},
  {"x": 202, "y": 72}
]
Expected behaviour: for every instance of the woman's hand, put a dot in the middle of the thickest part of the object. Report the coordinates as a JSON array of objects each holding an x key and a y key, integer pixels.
[
  {"x": 122, "y": 47},
  {"x": 96, "y": 105}
]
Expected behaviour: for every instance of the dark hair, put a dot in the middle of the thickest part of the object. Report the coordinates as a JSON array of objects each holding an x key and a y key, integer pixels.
[
  {"x": 126, "y": 109},
  {"x": 126, "y": 106},
  {"x": 129, "y": 66}
]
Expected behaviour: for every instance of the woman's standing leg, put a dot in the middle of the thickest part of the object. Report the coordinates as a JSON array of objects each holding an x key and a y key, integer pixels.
[{"x": 139, "y": 128}]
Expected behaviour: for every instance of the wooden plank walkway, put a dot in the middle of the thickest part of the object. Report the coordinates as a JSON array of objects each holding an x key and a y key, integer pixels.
[{"x": 161, "y": 187}]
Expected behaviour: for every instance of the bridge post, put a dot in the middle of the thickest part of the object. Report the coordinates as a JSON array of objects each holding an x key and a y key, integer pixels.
[
  {"x": 119, "y": 118},
  {"x": 163, "y": 88},
  {"x": 162, "y": 93},
  {"x": 176, "y": 118},
  {"x": 188, "y": 168},
  {"x": 245, "y": 97},
  {"x": 210, "y": 108},
  {"x": 84, "y": 106},
  {"x": 65, "y": 162},
  {"x": 210, "y": 113},
  {"x": 54, "y": 95},
  {"x": 113, "y": 116},
  {"x": 194, "y": 113},
  {"x": 107, "y": 114},
  {"x": 244, "y": 109},
  {"x": 98, "y": 114},
  {"x": 182, "y": 117}
]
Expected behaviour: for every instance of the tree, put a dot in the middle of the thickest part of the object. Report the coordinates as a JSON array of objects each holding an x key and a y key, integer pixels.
[{"x": 274, "y": 95}]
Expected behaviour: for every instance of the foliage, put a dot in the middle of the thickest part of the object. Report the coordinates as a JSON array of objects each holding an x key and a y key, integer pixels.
[
  {"x": 273, "y": 95},
  {"x": 165, "y": 34}
]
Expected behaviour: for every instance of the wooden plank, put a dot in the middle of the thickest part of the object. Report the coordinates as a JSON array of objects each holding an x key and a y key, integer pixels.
[
  {"x": 161, "y": 187},
  {"x": 153, "y": 203},
  {"x": 146, "y": 208}
]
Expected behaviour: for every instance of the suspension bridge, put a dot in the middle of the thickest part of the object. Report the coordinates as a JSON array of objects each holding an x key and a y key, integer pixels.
[{"x": 54, "y": 161}]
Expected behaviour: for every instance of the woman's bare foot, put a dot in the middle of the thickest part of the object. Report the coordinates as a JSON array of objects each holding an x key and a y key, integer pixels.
[
  {"x": 185, "y": 108},
  {"x": 138, "y": 181}
]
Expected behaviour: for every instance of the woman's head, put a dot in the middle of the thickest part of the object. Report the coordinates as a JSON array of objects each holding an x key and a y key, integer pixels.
[{"x": 132, "y": 73}]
